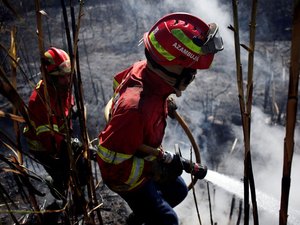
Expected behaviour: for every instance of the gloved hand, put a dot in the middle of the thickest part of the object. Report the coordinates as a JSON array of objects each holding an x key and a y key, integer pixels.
[
  {"x": 176, "y": 165},
  {"x": 167, "y": 157},
  {"x": 197, "y": 170},
  {"x": 76, "y": 145},
  {"x": 165, "y": 172}
]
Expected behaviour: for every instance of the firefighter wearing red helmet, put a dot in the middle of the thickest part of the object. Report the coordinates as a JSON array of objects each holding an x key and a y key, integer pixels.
[
  {"x": 51, "y": 119},
  {"x": 130, "y": 155}
]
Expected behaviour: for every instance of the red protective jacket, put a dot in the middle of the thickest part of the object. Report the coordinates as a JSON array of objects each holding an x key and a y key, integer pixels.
[
  {"x": 49, "y": 127},
  {"x": 138, "y": 116}
]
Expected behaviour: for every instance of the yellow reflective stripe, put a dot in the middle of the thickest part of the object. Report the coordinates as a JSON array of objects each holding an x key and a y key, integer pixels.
[
  {"x": 46, "y": 128},
  {"x": 125, "y": 187},
  {"x": 111, "y": 156},
  {"x": 150, "y": 158},
  {"x": 115, "y": 84},
  {"x": 42, "y": 129},
  {"x": 136, "y": 171},
  {"x": 186, "y": 40},
  {"x": 55, "y": 127},
  {"x": 136, "y": 184},
  {"x": 160, "y": 48}
]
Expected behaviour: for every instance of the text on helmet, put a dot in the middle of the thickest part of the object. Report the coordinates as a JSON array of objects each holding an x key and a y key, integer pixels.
[{"x": 186, "y": 52}]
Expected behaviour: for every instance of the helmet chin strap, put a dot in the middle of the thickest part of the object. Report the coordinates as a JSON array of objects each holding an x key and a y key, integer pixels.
[{"x": 178, "y": 81}]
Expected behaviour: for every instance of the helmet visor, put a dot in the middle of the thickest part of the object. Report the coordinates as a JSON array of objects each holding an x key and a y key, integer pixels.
[{"x": 214, "y": 42}]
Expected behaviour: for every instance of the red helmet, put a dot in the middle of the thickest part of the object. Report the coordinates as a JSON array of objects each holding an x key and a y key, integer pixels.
[
  {"x": 183, "y": 39},
  {"x": 57, "y": 62}
]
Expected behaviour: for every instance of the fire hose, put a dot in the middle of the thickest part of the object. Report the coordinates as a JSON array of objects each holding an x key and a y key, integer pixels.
[{"x": 188, "y": 165}]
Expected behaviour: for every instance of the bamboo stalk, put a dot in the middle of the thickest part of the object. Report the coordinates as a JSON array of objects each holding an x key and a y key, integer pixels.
[
  {"x": 209, "y": 202},
  {"x": 239, "y": 212},
  {"x": 78, "y": 192},
  {"x": 249, "y": 109},
  {"x": 232, "y": 205},
  {"x": 16, "y": 61},
  {"x": 239, "y": 75},
  {"x": 291, "y": 114},
  {"x": 74, "y": 173},
  {"x": 41, "y": 51},
  {"x": 78, "y": 95},
  {"x": 8, "y": 91},
  {"x": 13, "y": 51},
  {"x": 245, "y": 108},
  {"x": 12, "y": 117},
  {"x": 39, "y": 28},
  {"x": 82, "y": 115}
]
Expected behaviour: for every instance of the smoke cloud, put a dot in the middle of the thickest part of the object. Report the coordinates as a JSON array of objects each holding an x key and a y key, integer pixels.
[{"x": 267, "y": 161}]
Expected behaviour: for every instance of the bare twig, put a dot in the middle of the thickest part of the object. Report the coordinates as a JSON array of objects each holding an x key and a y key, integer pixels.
[{"x": 291, "y": 115}]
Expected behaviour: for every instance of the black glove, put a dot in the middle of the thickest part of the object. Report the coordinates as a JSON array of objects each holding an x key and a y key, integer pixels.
[
  {"x": 176, "y": 165},
  {"x": 165, "y": 172},
  {"x": 166, "y": 156},
  {"x": 76, "y": 146},
  {"x": 197, "y": 170}
]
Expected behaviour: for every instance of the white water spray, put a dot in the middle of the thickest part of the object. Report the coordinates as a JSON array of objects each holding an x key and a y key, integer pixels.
[{"x": 264, "y": 201}]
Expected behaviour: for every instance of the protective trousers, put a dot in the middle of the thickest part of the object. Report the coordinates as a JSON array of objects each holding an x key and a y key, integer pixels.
[
  {"x": 57, "y": 168},
  {"x": 153, "y": 203}
]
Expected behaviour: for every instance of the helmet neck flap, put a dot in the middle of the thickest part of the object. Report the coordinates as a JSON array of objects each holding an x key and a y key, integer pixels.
[{"x": 178, "y": 81}]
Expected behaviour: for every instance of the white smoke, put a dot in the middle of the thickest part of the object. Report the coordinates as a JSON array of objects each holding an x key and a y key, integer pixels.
[{"x": 267, "y": 161}]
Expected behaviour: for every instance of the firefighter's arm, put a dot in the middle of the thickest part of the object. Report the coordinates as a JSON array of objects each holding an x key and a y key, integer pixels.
[
  {"x": 149, "y": 150},
  {"x": 176, "y": 162},
  {"x": 164, "y": 156}
]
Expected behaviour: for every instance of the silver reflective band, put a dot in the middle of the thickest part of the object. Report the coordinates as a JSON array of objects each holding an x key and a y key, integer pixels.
[{"x": 214, "y": 42}]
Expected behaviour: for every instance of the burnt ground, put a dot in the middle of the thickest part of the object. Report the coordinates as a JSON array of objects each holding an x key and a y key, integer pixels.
[{"x": 113, "y": 208}]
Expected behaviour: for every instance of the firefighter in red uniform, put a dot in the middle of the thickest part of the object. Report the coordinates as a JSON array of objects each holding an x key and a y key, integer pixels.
[
  {"x": 50, "y": 118},
  {"x": 130, "y": 156}
]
